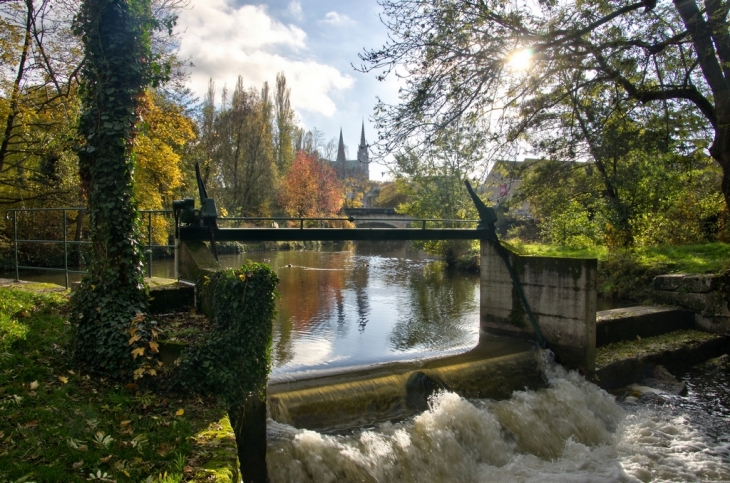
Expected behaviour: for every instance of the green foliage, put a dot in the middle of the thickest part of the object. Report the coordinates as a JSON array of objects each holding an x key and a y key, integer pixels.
[
  {"x": 432, "y": 181},
  {"x": 234, "y": 360},
  {"x": 657, "y": 199},
  {"x": 60, "y": 424},
  {"x": 107, "y": 307}
]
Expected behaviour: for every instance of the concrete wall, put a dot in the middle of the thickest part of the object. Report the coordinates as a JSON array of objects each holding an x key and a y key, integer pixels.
[
  {"x": 705, "y": 295},
  {"x": 561, "y": 293}
]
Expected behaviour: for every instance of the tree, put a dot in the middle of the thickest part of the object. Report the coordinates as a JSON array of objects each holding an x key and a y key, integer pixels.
[
  {"x": 244, "y": 152},
  {"x": 459, "y": 61},
  {"x": 285, "y": 127},
  {"x": 108, "y": 309},
  {"x": 165, "y": 132},
  {"x": 39, "y": 65},
  {"x": 434, "y": 182},
  {"x": 310, "y": 188}
]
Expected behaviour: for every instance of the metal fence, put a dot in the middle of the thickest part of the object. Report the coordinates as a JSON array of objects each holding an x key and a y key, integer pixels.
[{"x": 21, "y": 215}]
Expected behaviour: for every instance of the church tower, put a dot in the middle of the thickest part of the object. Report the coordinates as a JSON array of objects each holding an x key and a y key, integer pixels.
[
  {"x": 362, "y": 149},
  {"x": 341, "y": 151}
]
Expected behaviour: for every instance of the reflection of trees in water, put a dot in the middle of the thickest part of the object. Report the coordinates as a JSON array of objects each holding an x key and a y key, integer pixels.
[
  {"x": 360, "y": 275},
  {"x": 306, "y": 296},
  {"x": 438, "y": 300}
]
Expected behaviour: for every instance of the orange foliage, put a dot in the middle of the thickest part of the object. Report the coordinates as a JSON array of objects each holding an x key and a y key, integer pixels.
[{"x": 310, "y": 188}]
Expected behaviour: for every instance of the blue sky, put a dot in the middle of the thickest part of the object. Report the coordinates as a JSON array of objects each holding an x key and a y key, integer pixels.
[{"x": 313, "y": 42}]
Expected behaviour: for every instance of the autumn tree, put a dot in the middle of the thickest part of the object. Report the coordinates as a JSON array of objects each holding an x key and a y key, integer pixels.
[
  {"x": 39, "y": 66},
  {"x": 164, "y": 134},
  {"x": 467, "y": 60},
  {"x": 310, "y": 188}
]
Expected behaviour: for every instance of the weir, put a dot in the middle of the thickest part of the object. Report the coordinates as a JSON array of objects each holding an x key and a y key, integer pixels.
[{"x": 525, "y": 302}]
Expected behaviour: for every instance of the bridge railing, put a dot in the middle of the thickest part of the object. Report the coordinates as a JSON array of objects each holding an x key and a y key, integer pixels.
[{"x": 335, "y": 222}]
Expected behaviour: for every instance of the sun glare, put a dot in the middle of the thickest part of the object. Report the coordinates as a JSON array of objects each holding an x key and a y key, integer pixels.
[{"x": 520, "y": 60}]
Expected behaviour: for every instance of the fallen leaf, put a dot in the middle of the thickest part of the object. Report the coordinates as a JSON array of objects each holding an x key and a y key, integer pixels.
[
  {"x": 24, "y": 314},
  {"x": 134, "y": 339},
  {"x": 125, "y": 422},
  {"x": 83, "y": 447},
  {"x": 32, "y": 393},
  {"x": 106, "y": 459},
  {"x": 78, "y": 465},
  {"x": 154, "y": 346},
  {"x": 34, "y": 385},
  {"x": 164, "y": 449},
  {"x": 71, "y": 372},
  {"x": 32, "y": 424},
  {"x": 63, "y": 379},
  {"x": 188, "y": 469},
  {"x": 179, "y": 412},
  {"x": 139, "y": 351}
]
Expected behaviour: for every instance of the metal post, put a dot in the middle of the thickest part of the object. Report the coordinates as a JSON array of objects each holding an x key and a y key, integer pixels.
[
  {"x": 301, "y": 223},
  {"x": 177, "y": 258},
  {"x": 149, "y": 244},
  {"x": 65, "y": 250},
  {"x": 15, "y": 242}
]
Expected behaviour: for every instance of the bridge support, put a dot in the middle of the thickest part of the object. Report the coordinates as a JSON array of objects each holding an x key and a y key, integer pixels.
[{"x": 561, "y": 293}]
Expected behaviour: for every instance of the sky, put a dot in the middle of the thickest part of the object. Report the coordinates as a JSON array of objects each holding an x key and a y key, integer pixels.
[{"x": 314, "y": 42}]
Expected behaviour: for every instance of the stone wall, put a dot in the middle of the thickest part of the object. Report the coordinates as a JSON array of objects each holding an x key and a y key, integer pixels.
[
  {"x": 561, "y": 293},
  {"x": 705, "y": 295}
]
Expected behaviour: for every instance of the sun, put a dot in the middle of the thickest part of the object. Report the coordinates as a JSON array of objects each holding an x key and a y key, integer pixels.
[{"x": 520, "y": 59}]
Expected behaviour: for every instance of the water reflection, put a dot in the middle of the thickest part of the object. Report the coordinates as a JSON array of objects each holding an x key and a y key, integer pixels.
[
  {"x": 365, "y": 303},
  {"x": 440, "y": 300},
  {"x": 359, "y": 303}
]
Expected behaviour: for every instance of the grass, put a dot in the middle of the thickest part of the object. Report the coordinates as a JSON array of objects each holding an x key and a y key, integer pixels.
[
  {"x": 59, "y": 424},
  {"x": 619, "y": 351},
  {"x": 706, "y": 258}
]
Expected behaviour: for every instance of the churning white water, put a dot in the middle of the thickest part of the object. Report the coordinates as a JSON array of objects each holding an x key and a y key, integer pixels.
[{"x": 572, "y": 431}]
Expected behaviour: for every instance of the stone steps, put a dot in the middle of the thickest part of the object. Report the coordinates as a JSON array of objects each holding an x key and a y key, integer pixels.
[
  {"x": 169, "y": 295},
  {"x": 628, "y": 323}
]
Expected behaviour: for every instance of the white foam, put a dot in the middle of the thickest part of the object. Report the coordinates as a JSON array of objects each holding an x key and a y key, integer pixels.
[{"x": 570, "y": 432}]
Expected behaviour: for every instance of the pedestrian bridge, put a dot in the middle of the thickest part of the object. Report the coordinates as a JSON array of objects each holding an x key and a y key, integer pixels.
[{"x": 377, "y": 218}]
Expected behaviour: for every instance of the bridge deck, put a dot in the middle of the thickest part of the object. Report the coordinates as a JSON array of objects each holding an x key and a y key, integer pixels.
[{"x": 331, "y": 234}]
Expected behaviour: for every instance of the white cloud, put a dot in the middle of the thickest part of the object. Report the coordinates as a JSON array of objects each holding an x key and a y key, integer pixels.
[
  {"x": 334, "y": 18},
  {"x": 224, "y": 41},
  {"x": 295, "y": 10}
]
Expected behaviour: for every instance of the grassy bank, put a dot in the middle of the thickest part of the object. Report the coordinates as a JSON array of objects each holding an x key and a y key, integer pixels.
[
  {"x": 627, "y": 274},
  {"x": 60, "y": 424}
]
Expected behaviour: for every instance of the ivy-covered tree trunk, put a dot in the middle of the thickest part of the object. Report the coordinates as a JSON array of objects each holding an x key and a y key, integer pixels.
[{"x": 108, "y": 308}]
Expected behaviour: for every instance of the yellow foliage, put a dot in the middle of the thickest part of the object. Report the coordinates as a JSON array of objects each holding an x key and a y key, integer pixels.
[{"x": 164, "y": 132}]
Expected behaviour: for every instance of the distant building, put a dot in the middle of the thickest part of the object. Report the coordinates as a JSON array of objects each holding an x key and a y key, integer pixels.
[
  {"x": 503, "y": 182},
  {"x": 353, "y": 168}
]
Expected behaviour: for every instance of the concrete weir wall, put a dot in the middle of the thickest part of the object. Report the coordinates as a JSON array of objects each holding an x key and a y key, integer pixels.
[{"x": 561, "y": 293}]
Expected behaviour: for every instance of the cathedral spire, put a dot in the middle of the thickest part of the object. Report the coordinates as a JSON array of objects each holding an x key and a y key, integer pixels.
[
  {"x": 341, "y": 150},
  {"x": 362, "y": 149}
]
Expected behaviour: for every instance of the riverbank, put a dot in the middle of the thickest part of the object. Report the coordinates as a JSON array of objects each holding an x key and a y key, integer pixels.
[
  {"x": 60, "y": 424},
  {"x": 626, "y": 275}
]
